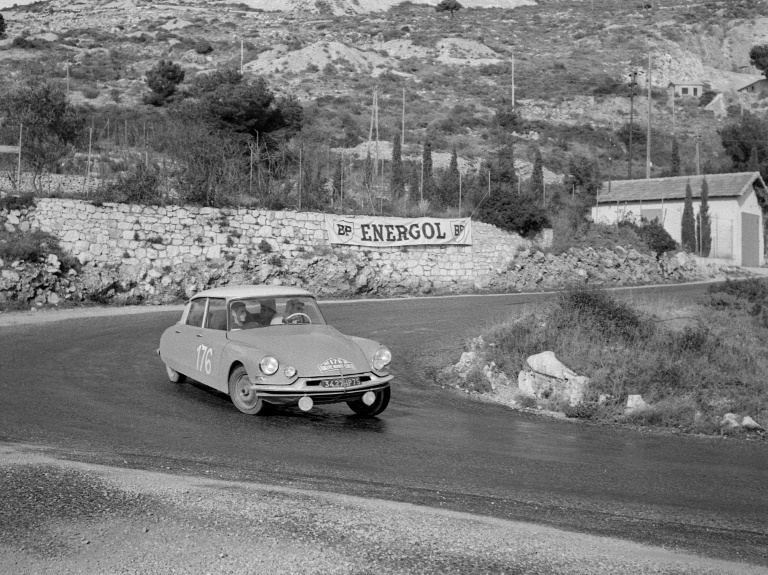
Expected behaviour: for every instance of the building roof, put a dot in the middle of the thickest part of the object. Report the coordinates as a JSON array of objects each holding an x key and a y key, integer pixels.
[
  {"x": 720, "y": 186},
  {"x": 749, "y": 82},
  {"x": 244, "y": 291},
  {"x": 686, "y": 83}
]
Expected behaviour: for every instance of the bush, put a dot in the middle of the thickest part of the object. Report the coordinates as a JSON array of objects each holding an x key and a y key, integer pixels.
[
  {"x": 141, "y": 186},
  {"x": 32, "y": 246},
  {"x": 521, "y": 214},
  {"x": 20, "y": 202},
  {"x": 90, "y": 93},
  {"x": 203, "y": 47},
  {"x": 603, "y": 312}
]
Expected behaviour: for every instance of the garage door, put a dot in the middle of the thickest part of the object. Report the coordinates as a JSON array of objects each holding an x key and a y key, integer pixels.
[{"x": 750, "y": 240}]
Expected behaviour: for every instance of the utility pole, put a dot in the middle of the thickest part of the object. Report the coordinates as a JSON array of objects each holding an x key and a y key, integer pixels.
[
  {"x": 300, "y": 176},
  {"x": 402, "y": 131},
  {"x": 673, "y": 110},
  {"x": 18, "y": 168},
  {"x": 513, "y": 79},
  {"x": 632, "y": 83},
  {"x": 67, "y": 78},
  {"x": 648, "y": 134},
  {"x": 88, "y": 169},
  {"x": 698, "y": 154},
  {"x": 242, "y": 56},
  {"x": 459, "y": 193}
]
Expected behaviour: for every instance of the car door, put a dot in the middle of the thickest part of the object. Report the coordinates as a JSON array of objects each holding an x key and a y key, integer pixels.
[
  {"x": 210, "y": 343},
  {"x": 187, "y": 337}
]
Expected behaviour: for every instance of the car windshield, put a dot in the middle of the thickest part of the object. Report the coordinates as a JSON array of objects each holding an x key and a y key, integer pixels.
[{"x": 252, "y": 313}]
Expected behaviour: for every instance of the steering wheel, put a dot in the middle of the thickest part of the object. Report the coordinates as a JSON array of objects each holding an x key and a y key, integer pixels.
[{"x": 298, "y": 317}]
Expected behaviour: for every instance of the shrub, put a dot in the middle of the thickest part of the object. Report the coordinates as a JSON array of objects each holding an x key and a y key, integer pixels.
[
  {"x": 603, "y": 312},
  {"x": 140, "y": 186},
  {"x": 203, "y": 47},
  {"x": 33, "y": 246},
  {"x": 265, "y": 247},
  {"x": 91, "y": 93},
  {"x": 20, "y": 202}
]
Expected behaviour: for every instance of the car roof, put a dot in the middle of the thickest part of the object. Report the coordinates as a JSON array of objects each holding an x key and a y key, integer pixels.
[{"x": 245, "y": 291}]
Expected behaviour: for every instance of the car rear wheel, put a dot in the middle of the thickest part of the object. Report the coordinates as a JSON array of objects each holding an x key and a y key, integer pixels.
[
  {"x": 174, "y": 376},
  {"x": 243, "y": 395},
  {"x": 379, "y": 404}
]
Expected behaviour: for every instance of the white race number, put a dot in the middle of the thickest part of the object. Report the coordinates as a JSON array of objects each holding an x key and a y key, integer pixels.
[{"x": 204, "y": 354}]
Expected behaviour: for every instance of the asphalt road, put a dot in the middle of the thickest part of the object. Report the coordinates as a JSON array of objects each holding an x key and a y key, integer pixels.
[{"x": 93, "y": 389}]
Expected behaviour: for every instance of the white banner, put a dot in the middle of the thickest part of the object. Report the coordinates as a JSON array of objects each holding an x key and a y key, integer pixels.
[{"x": 386, "y": 232}]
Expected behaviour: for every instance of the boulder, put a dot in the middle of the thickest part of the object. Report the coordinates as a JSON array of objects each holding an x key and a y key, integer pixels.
[
  {"x": 547, "y": 364},
  {"x": 635, "y": 403},
  {"x": 730, "y": 421},
  {"x": 539, "y": 386},
  {"x": 750, "y": 424},
  {"x": 465, "y": 363}
]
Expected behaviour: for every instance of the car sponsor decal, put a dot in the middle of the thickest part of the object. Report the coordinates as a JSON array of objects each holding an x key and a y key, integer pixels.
[{"x": 336, "y": 363}]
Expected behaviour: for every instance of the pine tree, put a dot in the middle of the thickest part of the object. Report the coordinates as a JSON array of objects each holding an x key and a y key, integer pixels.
[
  {"x": 705, "y": 225},
  {"x": 397, "y": 181},
  {"x": 2, "y": 26},
  {"x": 688, "y": 232},
  {"x": 428, "y": 183},
  {"x": 537, "y": 177},
  {"x": 675, "y": 167},
  {"x": 503, "y": 173}
]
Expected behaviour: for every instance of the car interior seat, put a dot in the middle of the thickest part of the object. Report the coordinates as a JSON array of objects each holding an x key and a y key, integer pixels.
[{"x": 218, "y": 320}]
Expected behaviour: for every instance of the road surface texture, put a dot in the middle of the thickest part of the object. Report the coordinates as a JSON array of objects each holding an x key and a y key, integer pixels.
[{"x": 99, "y": 447}]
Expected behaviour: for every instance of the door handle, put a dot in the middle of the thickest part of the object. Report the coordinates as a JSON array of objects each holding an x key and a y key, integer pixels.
[
  {"x": 177, "y": 331},
  {"x": 199, "y": 335}
]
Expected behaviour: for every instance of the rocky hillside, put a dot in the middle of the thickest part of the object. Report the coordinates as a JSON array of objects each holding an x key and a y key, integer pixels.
[{"x": 571, "y": 61}]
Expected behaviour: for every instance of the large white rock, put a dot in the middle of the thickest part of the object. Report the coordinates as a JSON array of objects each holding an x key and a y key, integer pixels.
[
  {"x": 635, "y": 403},
  {"x": 731, "y": 421},
  {"x": 751, "y": 424},
  {"x": 546, "y": 363},
  {"x": 539, "y": 386}
]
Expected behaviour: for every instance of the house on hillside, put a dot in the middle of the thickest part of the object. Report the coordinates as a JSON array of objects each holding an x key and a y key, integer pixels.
[
  {"x": 687, "y": 88},
  {"x": 755, "y": 85},
  {"x": 736, "y": 217}
]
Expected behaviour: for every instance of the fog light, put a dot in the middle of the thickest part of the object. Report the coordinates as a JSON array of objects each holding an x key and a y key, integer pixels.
[
  {"x": 306, "y": 403},
  {"x": 369, "y": 398},
  {"x": 289, "y": 371}
]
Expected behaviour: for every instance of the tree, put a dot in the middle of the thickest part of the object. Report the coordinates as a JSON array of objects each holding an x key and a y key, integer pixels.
[
  {"x": 585, "y": 175},
  {"x": 397, "y": 180},
  {"x": 162, "y": 80},
  {"x": 537, "y": 177},
  {"x": 251, "y": 108},
  {"x": 337, "y": 181},
  {"x": 704, "y": 223},
  {"x": 51, "y": 127},
  {"x": 449, "y": 6},
  {"x": 758, "y": 57},
  {"x": 675, "y": 159},
  {"x": 746, "y": 142},
  {"x": 449, "y": 187},
  {"x": 2, "y": 26},
  {"x": 429, "y": 187},
  {"x": 688, "y": 232}
]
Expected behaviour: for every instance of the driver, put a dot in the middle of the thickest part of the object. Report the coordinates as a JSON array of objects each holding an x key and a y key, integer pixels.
[{"x": 292, "y": 308}]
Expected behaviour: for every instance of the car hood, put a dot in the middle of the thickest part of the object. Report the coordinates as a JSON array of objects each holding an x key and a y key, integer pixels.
[{"x": 314, "y": 350}]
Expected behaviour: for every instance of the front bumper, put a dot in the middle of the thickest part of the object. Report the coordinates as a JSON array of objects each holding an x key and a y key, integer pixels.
[{"x": 291, "y": 394}]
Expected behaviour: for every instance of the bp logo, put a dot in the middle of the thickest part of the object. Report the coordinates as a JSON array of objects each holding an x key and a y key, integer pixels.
[{"x": 336, "y": 363}]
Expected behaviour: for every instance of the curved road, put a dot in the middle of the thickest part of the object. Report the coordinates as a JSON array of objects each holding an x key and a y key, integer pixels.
[{"x": 93, "y": 389}]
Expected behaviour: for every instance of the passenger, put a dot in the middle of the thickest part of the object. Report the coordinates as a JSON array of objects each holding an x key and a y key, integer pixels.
[
  {"x": 240, "y": 318},
  {"x": 267, "y": 312}
]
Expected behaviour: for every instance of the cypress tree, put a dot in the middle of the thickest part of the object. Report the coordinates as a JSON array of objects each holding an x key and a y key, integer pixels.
[
  {"x": 705, "y": 227},
  {"x": 537, "y": 177},
  {"x": 754, "y": 162},
  {"x": 368, "y": 171},
  {"x": 450, "y": 183},
  {"x": 688, "y": 232},
  {"x": 397, "y": 182},
  {"x": 2, "y": 26},
  {"x": 428, "y": 183},
  {"x": 675, "y": 167},
  {"x": 337, "y": 183}
]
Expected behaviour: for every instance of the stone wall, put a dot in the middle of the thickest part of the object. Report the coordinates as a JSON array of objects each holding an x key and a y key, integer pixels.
[
  {"x": 51, "y": 184},
  {"x": 162, "y": 254},
  {"x": 264, "y": 247}
]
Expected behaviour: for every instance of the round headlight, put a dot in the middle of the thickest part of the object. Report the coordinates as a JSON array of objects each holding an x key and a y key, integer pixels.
[
  {"x": 289, "y": 371},
  {"x": 381, "y": 358},
  {"x": 269, "y": 365}
]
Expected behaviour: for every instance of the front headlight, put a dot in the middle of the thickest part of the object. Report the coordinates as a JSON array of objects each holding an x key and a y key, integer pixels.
[
  {"x": 269, "y": 365},
  {"x": 381, "y": 358}
]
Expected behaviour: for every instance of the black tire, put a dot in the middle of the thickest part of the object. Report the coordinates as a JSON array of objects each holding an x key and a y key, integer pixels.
[
  {"x": 244, "y": 398},
  {"x": 379, "y": 404},
  {"x": 174, "y": 376}
]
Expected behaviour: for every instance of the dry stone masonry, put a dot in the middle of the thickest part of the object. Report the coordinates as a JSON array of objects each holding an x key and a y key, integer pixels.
[{"x": 163, "y": 253}]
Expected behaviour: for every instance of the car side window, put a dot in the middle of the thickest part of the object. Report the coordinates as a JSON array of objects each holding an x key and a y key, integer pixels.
[
  {"x": 196, "y": 312},
  {"x": 217, "y": 314}
]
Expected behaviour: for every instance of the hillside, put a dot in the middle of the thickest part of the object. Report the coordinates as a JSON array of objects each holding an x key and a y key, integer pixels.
[{"x": 571, "y": 62}]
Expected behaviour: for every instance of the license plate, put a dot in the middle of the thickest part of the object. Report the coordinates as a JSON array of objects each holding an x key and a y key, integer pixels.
[{"x": 341, "y": 382}]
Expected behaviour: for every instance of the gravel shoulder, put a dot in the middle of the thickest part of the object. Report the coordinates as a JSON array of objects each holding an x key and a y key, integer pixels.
[{"x": 65, "y": 517}]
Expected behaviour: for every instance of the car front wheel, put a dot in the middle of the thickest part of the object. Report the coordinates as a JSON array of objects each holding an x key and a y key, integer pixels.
[
  {"x": 379, "y": 404},
  {"x": 243, "y": 395}
]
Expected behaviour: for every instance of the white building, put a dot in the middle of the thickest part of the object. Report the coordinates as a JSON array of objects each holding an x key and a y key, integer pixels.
[{"x": 736, "y": 218}]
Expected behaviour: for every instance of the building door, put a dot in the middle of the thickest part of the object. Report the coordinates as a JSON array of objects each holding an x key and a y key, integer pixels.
[{"x": 750, "y": 240}]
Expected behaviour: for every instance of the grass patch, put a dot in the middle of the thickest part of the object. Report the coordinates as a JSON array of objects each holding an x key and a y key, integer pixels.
[
  {"x": 32, "y": 246},
  {"x": 691, "y": 367}
]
